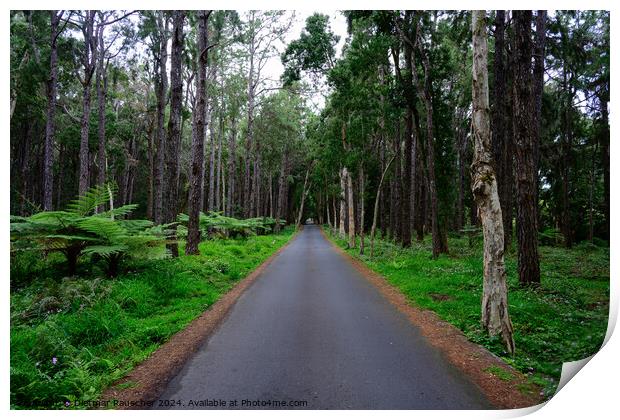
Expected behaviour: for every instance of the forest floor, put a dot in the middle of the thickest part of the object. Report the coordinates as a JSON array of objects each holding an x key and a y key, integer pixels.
[
  {"x": 565, "y": 319},
  {"x": 73, "y": 337}
]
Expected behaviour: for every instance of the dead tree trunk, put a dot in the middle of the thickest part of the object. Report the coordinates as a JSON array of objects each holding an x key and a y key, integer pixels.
[{"x": 495, "y": 318}]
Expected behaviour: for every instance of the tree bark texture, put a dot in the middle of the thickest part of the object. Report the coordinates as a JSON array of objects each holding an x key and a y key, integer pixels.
[
  {"x": 173, "y": 141},
  {"x": 198, "y": 139},
  {"x": 527, "y": 229},
  {"x": 52, "y": 93},
  {"x": 495, "y": 318},
  {"x": 160, "y": 139}
]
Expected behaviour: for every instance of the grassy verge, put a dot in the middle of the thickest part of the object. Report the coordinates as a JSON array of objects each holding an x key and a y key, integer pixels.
[
  {"x": 72, "y": 337},
  {"x": 563, "y": 320}
]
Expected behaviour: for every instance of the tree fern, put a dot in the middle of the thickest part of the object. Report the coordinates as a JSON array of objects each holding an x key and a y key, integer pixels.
[{"x": 79, "y": 231}]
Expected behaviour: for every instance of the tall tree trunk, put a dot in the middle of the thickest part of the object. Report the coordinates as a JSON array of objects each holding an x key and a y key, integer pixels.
[
  {"x": 537, "y": 90},
  {"x": 218, "y": 166},
  {"x": 160, "y": 143},
  {"x": 232, "y": 163},
  {"x": 151, "y": 175},
  {"x": 61, "y": 174},
  {"x": 350, "y": 208},
  {"x": 327, "y": 210},
  {"x": 406, "y": 176},
  {"x": 405, "y": 206},
  {"x": 25, "y": 165},
  {"x": 361, "y": 208},
  {"x": 271, "y": 210},
  {"x": 173, "y": 141},
  {"x": 248, "y": 191},
  {"x": 527, "y": 230},
  {"x": 213, "y": 135},
  {"x": 256, "y": 190},
  {"x": 335, "y": 217},
  {"x": 397, "y": 187},
  {"x": 501, "y": 156},
  {"x": 88, "y": 59},
  {"x": 102, "y": 86},
  {"x": 439, "y": 241},
  {"x": 343, "y": 197},
  {"x": 376, "y": 208},
  {"x": 282, "y": 189},
  {"x": 461, "y": 139},
  {"x": 198, "y": 138},
  {"x": 495, "y": 318},
  {"x": 304, "y": 192},
  {"x": 591, "y": 194},
  {"x": 420, "y": 180},
  {"x": 604, "y": 142},
  {"x": 52, "y": 93}
]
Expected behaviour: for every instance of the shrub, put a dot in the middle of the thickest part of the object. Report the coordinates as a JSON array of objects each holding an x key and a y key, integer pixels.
[{"x": 214, "y": 224}]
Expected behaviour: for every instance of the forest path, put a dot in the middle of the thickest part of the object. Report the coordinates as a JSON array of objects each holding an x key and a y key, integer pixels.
[{"x": 312, "y": 328}]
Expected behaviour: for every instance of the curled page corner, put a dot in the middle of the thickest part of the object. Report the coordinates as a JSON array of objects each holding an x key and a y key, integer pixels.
[{"x": 570, "y": 369}]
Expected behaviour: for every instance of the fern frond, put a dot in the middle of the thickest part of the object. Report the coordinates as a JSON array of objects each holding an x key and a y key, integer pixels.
[
  {"x": 120, "y": 211},
  {"x": 93, "y": 198},
  {"x": 135, "y": 226},
  {"x": 105, "y": 250},
  {"x": 102, "y": 226}
]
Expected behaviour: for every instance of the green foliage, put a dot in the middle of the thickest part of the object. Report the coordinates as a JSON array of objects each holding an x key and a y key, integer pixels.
[
  {"x": 72, "y": 339},
  {"x": 216, "y": 224},
  {"x": 551, "y": 237},
  {"x": 313, "y": 52}
]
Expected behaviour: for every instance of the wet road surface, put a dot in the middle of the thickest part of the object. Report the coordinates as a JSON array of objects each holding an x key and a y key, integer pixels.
[{"x": 312, "y": 333}]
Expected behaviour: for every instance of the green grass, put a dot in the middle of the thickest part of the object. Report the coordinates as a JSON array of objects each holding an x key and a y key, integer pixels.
[
  {"x": 502, "y": 374},
  {"x": 73, "y": 337},
  {"x": 564, "y": 319}
]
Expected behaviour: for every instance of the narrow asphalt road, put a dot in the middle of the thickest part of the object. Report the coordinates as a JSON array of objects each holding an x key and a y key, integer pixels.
[{"x": 312, "y": 329}]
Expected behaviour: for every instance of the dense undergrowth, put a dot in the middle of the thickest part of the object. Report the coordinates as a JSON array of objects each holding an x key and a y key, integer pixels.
[
  {"x": 564, "y": 319},
  {"x": 71, "y": 337}
]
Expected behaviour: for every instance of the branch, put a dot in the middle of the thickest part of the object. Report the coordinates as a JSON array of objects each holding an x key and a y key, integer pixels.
[
  {"x": 206, "y": 50},
  {"x": 59, "y": 31},
  {"x": 73, "y": 117},
  {"x": 118, "y": 19}
]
